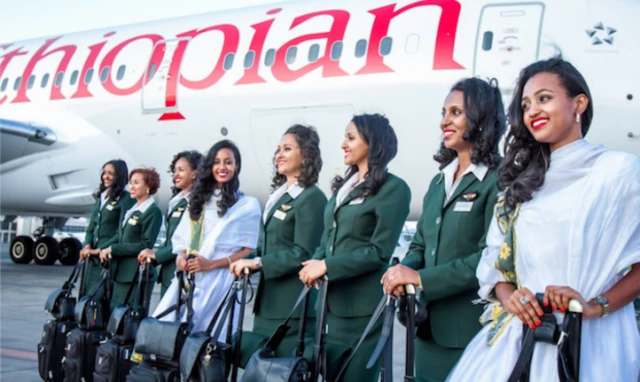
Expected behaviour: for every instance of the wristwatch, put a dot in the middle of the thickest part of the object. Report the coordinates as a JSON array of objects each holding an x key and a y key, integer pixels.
[
  {"x": 601, "y": 300},
  {"x": 258, "y": 262}
]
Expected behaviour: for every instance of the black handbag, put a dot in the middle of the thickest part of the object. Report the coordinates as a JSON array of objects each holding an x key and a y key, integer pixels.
[
  {"x": 92, "y": 313},
  {"x": 204, "y": 358},
  {"x": 265, "y": 366},
  {"x": 125, "y": 319},
  {"x": 60, "y": 303}
]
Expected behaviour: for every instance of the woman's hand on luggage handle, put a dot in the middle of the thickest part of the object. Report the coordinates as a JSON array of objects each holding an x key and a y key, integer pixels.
[
  {"x": 559, "y": 296},
  {"x": 237, "y": 267},
  {"x": 396, "y": 277},
  {"x": 312, "y": 270},
  {"x": 146, "y": 253},
  {"x": 522, "y": 303},
  {"x": 105, "y": 254},
  {"x": 181, "y": 260},
  {"x": 198, "y": 264}
]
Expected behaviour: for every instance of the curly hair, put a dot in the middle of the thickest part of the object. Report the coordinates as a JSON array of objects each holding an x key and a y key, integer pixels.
[
  {"x": 309, "y": 142},
  {"x": 193, "y": 157},
  {"x": 527, "y": 160},
  {"x": 376, "y": 131},
  {"x": 119, "y": 182},
  {"x": 486, "y": 123},
  {"x": 205, "y": 183},
  {"x": 150, "y": 176}
]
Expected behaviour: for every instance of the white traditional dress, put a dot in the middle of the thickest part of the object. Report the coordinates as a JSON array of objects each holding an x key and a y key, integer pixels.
[
  {"x": 582, "y": 230},
  {"x": 222, "y": 237}
]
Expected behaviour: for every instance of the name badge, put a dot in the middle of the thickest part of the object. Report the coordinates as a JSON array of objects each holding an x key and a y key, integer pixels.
[
  {"x": 109, "y": 207},
  {"x": 132, "y": 221},
  {"x": 176, "y": 214},
  {"x": 356, "y": 201},
  {"x": 279, "y": 215},
  {"x": 463, "y": 207}
]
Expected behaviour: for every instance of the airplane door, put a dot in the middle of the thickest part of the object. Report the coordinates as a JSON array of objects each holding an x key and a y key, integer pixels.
[
  {"x": 508, "y": 39},
  {"x": 160, "y": 80}
]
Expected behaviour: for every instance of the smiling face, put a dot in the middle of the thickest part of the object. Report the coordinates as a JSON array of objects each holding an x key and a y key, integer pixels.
[
  {"x": 549, "y": 113},
  {"x": 183, "y": 174},
  {"x": 289, "y": 156},
  {"x": 356, "y": 149},
  {"x": 137, "y": 186},
  {"x": 224, "y": 166},
  {"x": 454, "y": 122},
  {"x": 108, "y": 174}
]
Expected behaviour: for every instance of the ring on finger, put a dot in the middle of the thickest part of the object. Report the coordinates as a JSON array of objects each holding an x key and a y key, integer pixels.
[
  {"x": 391, "y": 277},
  {"x": 524, "y": 300}
]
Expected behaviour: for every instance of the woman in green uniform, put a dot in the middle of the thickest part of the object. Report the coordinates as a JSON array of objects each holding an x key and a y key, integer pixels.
[
  {"x": 183, "y": 167},
  {"x": 111, "y": 203},
  {"x": 451, "y": 232},
  {"x": 289, "y": 234},
  {"x": 138, "y": 230},
  {"x": 362, "y": 223}
]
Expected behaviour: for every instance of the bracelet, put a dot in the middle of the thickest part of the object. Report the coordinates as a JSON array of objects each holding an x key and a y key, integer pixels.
[{"x": 229, "y": 260}]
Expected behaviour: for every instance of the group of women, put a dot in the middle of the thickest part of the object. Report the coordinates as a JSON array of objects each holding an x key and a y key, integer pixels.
[{"x": 572, "y": 204}]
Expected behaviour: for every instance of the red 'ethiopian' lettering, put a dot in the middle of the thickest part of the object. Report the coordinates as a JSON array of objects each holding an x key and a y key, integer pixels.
[
  {"x": 330, "y": 68},
  {"x": 6, "y": 58},
  {"x": 94, "y": 51},
  {"x": 251, "y": 75},
  {"x": 445, "y": 36}
]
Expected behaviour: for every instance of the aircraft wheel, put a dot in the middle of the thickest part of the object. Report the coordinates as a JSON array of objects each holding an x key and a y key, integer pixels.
[
  {"x": 45, "y": 251},
  {"x": 21, "y": 250},
  {"x": 69, "y": 251}
]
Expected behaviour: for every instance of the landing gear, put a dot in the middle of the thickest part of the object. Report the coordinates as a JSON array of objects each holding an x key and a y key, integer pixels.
[
  {"x": 45, "y": 251},
  {"x": 69, "y": 251},
  {"x": 21, "y": 250}
]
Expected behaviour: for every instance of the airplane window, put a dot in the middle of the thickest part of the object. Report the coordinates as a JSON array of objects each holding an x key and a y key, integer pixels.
[
  {"x": 16, "y": 84},
  {"x": 361, "y": 48},
  {"x": 104, "y": 74},
  {"x": 152, "y": 70},
  {"x": 32, "y": 80},
  {"x": 228, "y": 61},
  {"x": 269, "y": 57},
  {"x": 336, "y": 50},
  {"x": 45, "y": 81},
  {"x": 120, "y": 74},
  {"x": 385, "y": 46},
  {"x": 412, "y": 44},
  {"x": 314, "y": 52},
  {"x": 248, "y": 59},
  {"x": 59, "y": 78},
  {"x": 88, "y": 76},
  {"x": 5, "y": 82},
  {"x": 74, "y": 77},
  {"x": 291, "y": 54}
]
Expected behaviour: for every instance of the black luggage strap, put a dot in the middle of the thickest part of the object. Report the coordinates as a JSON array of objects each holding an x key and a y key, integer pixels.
[
  {"x": 73, "y": 277},
  {"x": 281, "y": 331},
  {"x": 244, "y": 280},
  {"x": 569, "y": 343},
  {"x": 319, "y": 360}
]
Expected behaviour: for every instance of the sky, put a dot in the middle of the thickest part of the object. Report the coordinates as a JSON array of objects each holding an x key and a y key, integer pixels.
[{"x": 25, "y": 19}]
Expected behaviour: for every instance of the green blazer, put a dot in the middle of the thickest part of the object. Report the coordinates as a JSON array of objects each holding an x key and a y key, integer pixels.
[
  {"x": 139, "y": 232},
  {"x": 359, "y": 238},
  {"x": 104, "y": 223},
  {"x": 286, "y": 240},
  {"x": 164, "y": 255},
  {"x": 445, "y": 250}
]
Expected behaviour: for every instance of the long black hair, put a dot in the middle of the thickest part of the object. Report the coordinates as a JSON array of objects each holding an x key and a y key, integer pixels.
[
  {"x": 192, "y": 156},
  {"x": 486, "y": 123},
  {"x": 205, "y": 183},
  {"x": 527, "y": 160},
  {"x": 377, "y": 132},
  {"x": 120, "y": 179},
  {"x": 309, "y": 142}
]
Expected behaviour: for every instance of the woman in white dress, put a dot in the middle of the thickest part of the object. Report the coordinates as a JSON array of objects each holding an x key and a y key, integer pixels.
[
  {"x": 575, "y": 215},
  {"x": 230, "y": 222}
]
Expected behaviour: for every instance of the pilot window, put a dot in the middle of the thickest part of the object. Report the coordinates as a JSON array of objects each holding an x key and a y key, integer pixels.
[
  {"x": 120, "y": 74},
  {"x": 292, "y": 52},
  {"x": 269, "y": 57},
  {"x": 45, "y": 81},
  {"x": 228, "y": 61},
  {"x": 314, "y": 52},
  {"x": 5, "y": 82},
  {"x": 152, "y": 70},
  {"x": 59, "y": 78},
  {"x": 249, "y": 58},
  {"x": 412, "y": 44},
  {"x": 336, "y": 50},
  {"x": 74, "y": 77},
  {"x": 32, "y": 80},
  {"x": 385, "y": 46},
  {"x": 16, "y": 84},
  {"x": 104, "y": 74},
  {"x": 361, "y": 48},
  {"x": 88, "y": 76}
]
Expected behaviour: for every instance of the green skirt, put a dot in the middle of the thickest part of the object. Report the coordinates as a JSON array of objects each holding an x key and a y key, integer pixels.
[
  {"x": 119, "y": 294},
  {"x": 434, "y": 362}
]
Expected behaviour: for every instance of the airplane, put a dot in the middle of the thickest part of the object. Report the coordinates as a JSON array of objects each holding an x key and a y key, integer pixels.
[{"x": 69, "y": 103}]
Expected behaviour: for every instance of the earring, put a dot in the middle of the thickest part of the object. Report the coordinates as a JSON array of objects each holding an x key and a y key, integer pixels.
[
  {"x": 577, "y": 117},
  {"x": 147, "y": 190}
]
